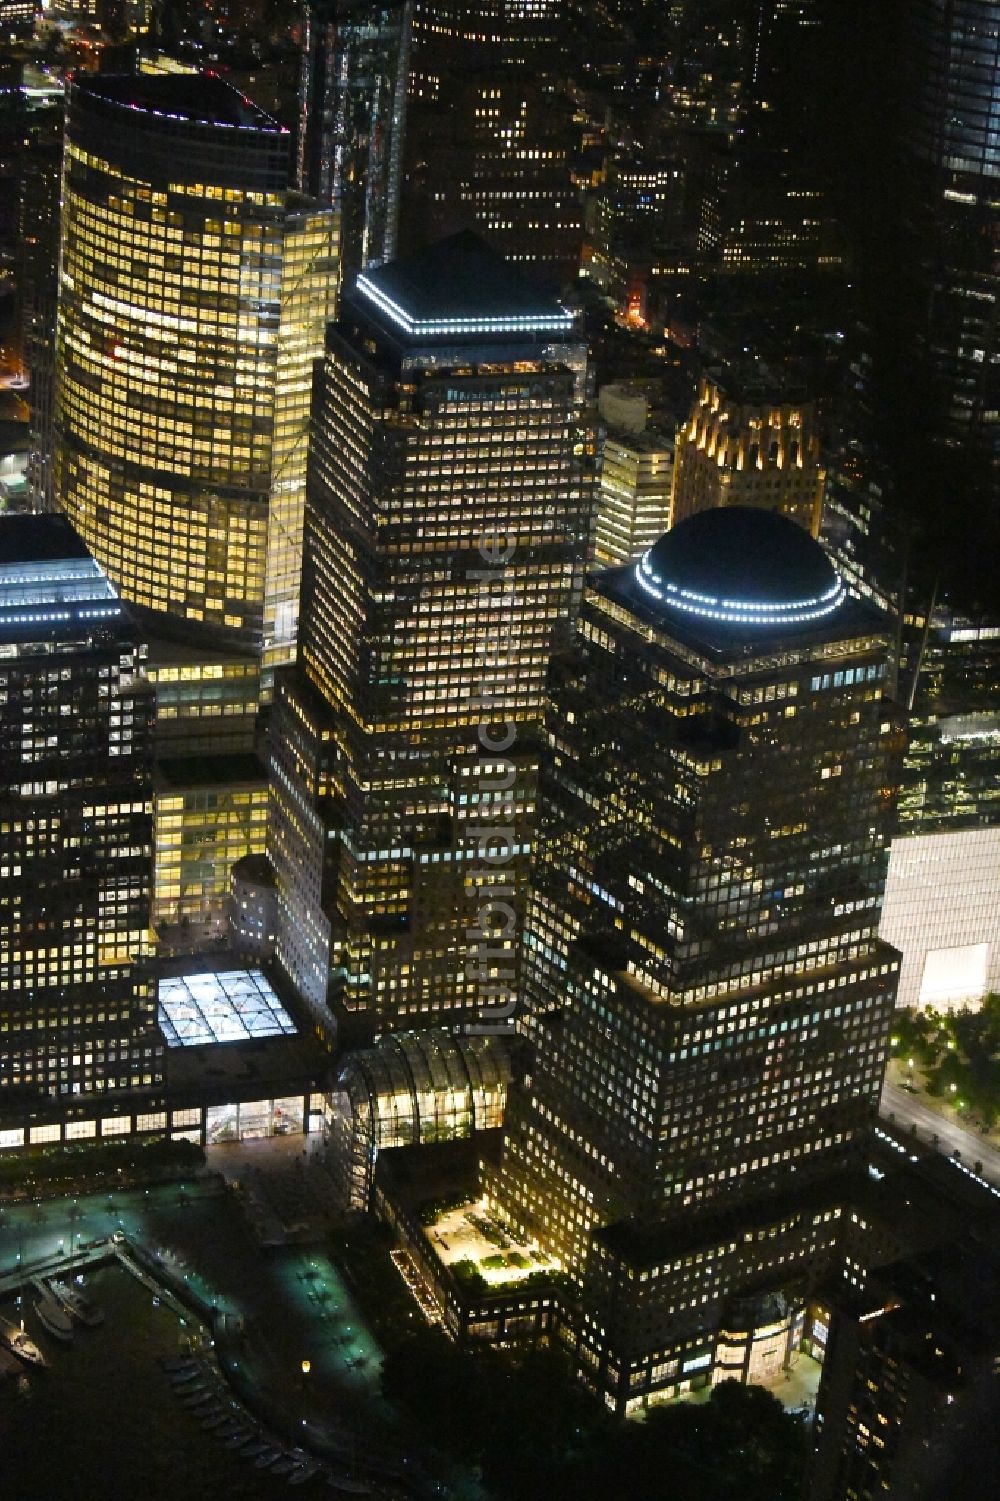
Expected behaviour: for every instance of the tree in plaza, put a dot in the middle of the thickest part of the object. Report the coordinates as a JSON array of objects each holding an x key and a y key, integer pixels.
[
  {"x": 969, "y": 1068},
  {"x": 539, "y": 1436}
]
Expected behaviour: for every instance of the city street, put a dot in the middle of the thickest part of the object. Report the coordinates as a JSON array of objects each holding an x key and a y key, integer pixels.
[{"x": 911, "y": 1109}]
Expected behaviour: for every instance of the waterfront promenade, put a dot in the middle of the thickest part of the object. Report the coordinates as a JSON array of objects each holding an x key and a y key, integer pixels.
[{"x": 270, "y": 1311}]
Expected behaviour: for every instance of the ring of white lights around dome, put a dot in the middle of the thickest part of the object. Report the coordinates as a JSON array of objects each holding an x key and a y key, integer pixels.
[{"x": 738, "y": 611}]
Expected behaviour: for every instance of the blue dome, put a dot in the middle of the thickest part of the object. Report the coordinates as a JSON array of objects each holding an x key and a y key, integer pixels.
[{"x": 739, "y": 566}]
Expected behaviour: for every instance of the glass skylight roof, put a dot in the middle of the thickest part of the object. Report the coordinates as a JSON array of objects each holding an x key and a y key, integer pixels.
[{"x": 220, "y": 1007}]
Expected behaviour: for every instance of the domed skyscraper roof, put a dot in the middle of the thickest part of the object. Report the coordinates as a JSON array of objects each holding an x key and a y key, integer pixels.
[{"x": 743, "y": 569}]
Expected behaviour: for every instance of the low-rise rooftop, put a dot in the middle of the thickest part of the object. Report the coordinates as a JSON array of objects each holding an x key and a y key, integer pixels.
[{"x": 220, "y": 1006}]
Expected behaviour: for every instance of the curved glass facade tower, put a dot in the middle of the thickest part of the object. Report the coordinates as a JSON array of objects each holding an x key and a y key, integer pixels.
[{"x": 194, "y": 289}]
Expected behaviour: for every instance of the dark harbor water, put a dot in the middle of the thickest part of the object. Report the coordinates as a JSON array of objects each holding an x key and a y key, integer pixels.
[{"x": 103, "y": 1423}]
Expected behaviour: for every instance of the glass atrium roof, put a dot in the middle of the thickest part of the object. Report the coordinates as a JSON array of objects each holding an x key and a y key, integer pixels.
[{"x": 231, "y": 1006}]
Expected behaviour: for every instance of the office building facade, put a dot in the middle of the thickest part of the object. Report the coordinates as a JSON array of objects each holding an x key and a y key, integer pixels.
[
  {"x": 746, "y": 443},
  {"x": 953, "y": 156},
  {"x": 77, "y": 1004},
  {"x": 448, "y": 521},
  {"x": 706, "y": 992},
  {"x": 491, "y": 135},
  {"x": 633, "y": 506},
  {"x": 194, "y": 289},
  {"x": 352, "y": 115}
]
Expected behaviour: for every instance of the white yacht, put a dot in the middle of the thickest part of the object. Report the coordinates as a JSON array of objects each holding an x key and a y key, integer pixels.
[
  {"x": 52, "y": 1316},
  {"x": 77, "y": 1304}
]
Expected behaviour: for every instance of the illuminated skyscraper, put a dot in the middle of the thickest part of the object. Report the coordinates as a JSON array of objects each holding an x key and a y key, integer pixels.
[
  {"x": 490, "y": 132},
  {"x": 636, "y": 478},
  {"x": 706, "y": 993},
  {"x": 77, "y": 1009},
  {"x": 748, "y": 443},
  {"x": 448, "y": 520},
  {"x": 352, "y": 110},
  {"x": 194, "y": 290}
]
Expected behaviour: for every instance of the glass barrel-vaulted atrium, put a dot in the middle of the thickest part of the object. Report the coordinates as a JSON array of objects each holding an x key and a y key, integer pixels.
[
  {"x": 707, "y": 994},
  {"x": 194, "y": 289},
  {"x": 413, "y": 1087}
]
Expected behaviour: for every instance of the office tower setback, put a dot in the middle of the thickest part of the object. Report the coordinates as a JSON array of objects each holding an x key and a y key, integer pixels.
[
  {"x": 448, "y": 520},
  {"x": 352, "y": 111},
  {"x": 194, "y": 291},
  {"x": 636, "y": 478},
  {"x": 749, "y": 442},
  {"x": 706, "y": 993},
  {"x": 77, "y": 1006}
]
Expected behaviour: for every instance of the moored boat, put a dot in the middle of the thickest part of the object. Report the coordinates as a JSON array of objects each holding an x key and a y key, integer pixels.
[
  {"x": 304, "y": 1471},
  {"x": 21, "y": 1344},
  {"x": 174, "y": 1363},
  {"x": 77, "y": 1304},
  {"x": 52, "y": 1316},
  {"x": 238, "y": 1439}
]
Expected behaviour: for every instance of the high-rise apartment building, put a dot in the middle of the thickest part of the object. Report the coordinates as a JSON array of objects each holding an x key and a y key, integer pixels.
[
  {"x": 707, "y": 996},
  {"x": 194, "y": 289},
  {"x": 448, "y": 521},
  {"x": 749, "y": 442},
  {"x": 77, "y": 1006},
  {"x": 352, "y": 112}
]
